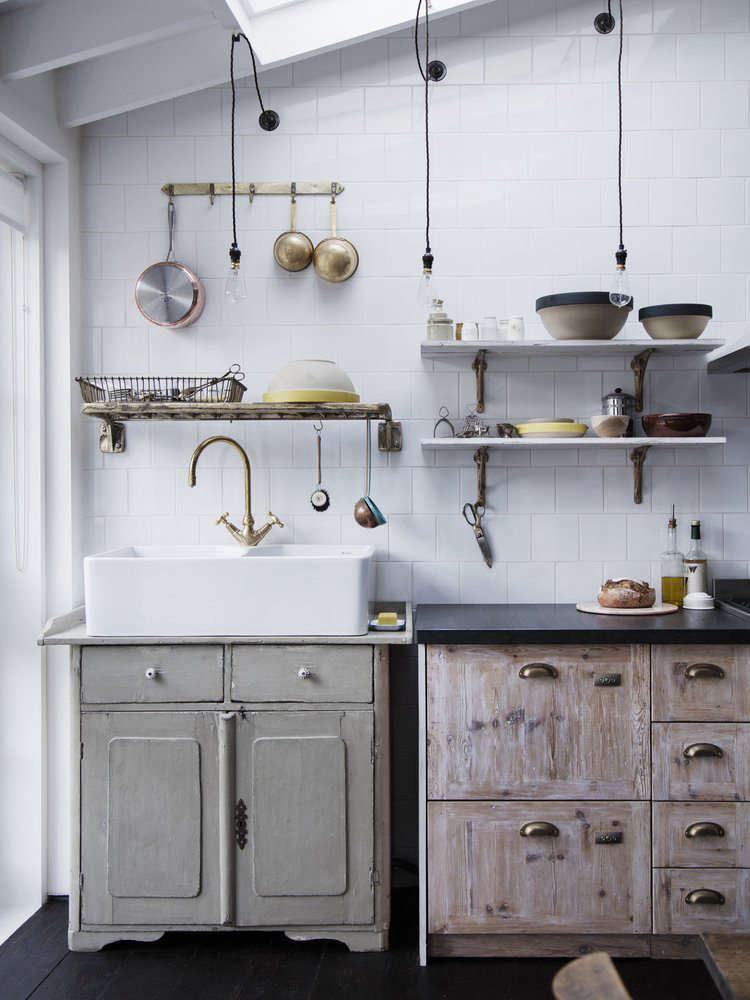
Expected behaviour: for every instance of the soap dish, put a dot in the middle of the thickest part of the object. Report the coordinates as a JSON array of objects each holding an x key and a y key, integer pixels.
[{"x": 375, "y": 626}]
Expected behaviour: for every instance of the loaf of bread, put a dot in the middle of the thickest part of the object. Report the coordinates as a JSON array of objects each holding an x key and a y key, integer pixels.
[{"x": 627, "y": 594}]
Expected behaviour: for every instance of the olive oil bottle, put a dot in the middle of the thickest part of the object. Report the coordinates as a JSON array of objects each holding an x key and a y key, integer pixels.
[
  {"x": 696, "y": 563},
  {"x": 672, "y": 567}
]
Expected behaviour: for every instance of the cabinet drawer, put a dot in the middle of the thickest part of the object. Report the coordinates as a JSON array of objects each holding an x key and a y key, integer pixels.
[
  {"x": 486, "y": 877},
  {"x": 725, "y": 907},
  {"x": 302, "y": 673},
  {"x": 555, "y": 722},
  {"x": 701, "y": 761},
  {"x": 701, "y": 683},
  {"x": 693, "y": 835},
  {"x": 132, "y": 674}
]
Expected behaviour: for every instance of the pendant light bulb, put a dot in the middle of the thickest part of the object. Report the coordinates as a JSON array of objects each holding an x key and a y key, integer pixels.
[
  {"x": 234, "y": 283},
  {"x": 426, "y": 289},
  {"x": 620, "y": 294}
]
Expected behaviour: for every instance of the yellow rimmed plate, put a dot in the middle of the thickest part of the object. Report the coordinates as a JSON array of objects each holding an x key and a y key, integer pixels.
[{"x": 553, "y": 429}]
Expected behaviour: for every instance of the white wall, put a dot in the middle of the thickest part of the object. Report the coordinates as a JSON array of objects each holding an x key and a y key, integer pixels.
[{"x": 523, "y": 204}]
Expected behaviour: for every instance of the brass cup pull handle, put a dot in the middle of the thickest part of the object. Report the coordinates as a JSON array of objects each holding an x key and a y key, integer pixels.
[
  {"x": 704, "y": 830},
  {"x": 704, "y": 670},
  {"x": 539, "y": 829},
  {"x": 531, "y": 670},
  {"x": 710, "y": 896},
  {"x": 702, "y": 750}
]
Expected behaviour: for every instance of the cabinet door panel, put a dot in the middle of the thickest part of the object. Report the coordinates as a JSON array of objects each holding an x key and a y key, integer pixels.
[
  {"x": 149, "y": 808},
  {"x": 556, "y": 722},
  {"x": 729, "y": 913},
  {"x": 485, "y": 877},
  {"x": 307, "y": 779},
  {"x": 701, "y": 683},
  {"x": 711, "y": 774},
  {"x": 701, "y": 835}
]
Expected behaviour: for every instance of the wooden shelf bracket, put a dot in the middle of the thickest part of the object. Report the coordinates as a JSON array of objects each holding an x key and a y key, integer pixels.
[{"x": 638, "y": 457}]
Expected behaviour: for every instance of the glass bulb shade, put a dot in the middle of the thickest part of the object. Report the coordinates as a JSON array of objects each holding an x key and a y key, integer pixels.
[
  {"x": 620, "y": 294},
  {"x": 427, "y": 289},
  {"x": 234, "y": 285}
]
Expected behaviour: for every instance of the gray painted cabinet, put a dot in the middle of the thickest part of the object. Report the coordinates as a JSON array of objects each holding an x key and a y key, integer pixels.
[{"x": 230, "y": 786}]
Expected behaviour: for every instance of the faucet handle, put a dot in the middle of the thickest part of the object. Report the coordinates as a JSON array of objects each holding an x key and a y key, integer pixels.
[
  {"x": 275, "y": 520},
  {"x": 223, "y": 518}
]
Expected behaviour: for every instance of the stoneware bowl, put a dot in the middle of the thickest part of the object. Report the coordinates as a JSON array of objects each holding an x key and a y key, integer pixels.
[
  {"x": 607, "y": 425},
  {"x": 676, "y": 425},
  {"x": 676, "y": 321},
  {"x": 581, "y": 316},
  {"x": 311, "y": 381}
]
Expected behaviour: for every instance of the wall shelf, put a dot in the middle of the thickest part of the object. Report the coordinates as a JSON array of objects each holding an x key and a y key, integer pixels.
[
  {"x": 731, "y": 357},
  {"x": 114, "y": 416},
  {"x": 478, "y": 350},
  {"x": 637, "y": 446}
]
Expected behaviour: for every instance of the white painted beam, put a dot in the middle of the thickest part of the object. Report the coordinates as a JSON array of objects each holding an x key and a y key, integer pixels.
[
  {"x": 281, "y": 35},
  {"x": 61, "y": 32},
  {"x": 122, "y": 81}
]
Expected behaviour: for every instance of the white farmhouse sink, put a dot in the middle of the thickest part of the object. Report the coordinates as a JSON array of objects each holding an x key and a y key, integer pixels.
[{"x": 205, "y": 590}]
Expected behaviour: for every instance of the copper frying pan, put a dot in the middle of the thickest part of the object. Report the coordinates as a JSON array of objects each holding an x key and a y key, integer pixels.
[{"x": 167, "y": 293}]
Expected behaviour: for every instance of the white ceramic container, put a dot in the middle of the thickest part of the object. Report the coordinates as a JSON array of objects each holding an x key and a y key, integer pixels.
[{"x": 204, "y": 590}]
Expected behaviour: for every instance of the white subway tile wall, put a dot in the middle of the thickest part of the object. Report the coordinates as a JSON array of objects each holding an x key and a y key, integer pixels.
[{"x": 523, "y": 204}]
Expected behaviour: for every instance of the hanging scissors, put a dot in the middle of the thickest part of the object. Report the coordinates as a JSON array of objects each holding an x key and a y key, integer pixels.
[{"x": 473, "y": 515}]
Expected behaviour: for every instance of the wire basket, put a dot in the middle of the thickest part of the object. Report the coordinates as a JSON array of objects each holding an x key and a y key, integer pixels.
[{"x": 226, "y": 388}]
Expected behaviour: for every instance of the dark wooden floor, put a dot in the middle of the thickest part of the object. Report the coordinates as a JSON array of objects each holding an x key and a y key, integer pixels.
[{"x": 35, "y": 963}]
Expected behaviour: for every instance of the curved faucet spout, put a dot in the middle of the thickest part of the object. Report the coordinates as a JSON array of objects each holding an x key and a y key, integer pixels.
[{"x": 247, "y": 534}]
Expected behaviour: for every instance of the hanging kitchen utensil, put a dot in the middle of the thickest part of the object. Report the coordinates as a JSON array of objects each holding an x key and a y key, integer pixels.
[
  {"x": 293, "y": 250},
  {"x": 335, "y": 258},
  {"x": 473, "y": 514},
  {"x": 167, "y": 293},
  {"x": 366, "y": 511},
  {"x": 320, "y": 499}
]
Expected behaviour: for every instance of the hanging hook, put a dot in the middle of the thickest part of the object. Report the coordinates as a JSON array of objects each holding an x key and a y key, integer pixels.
[
  {"x": 294, "y": 191},
  {"x": 251, "y": 192},
  {"x": 318, "y": 426},
  {"x": 211, "y": 192},
  {"x": 333, "y": 192}
]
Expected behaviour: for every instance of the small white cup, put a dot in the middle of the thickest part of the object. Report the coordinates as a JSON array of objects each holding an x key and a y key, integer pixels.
[
  {"x": 488, "y": 328},
  {"x": 516, "y": 328}
]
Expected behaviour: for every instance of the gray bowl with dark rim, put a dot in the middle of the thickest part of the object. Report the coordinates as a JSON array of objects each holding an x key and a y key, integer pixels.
[
  {"x": 581, "y": 315},
  {"x": 676, "y": 320}
]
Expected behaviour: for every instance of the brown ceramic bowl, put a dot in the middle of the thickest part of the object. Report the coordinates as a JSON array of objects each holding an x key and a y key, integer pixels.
[{"x": 676, "y": 425}]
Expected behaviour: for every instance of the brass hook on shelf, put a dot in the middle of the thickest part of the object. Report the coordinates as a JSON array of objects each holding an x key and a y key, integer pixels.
[
  {"x": 211, "y": 192},
  {"x": 481, "y": 457},
  {"x": 480, "y": 367}
]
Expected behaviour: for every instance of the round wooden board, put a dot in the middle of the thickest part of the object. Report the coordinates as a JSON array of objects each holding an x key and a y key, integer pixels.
[{"x": 593, "y": 608}]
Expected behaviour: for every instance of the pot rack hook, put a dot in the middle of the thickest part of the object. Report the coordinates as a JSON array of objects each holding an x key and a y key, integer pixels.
[
  {"x": 481, "y": 456},
  {"x": 333, "y": 192},
  {"x": 170, "y": 194},
  {"x": 251, "y": 192},
  {"x": 293, "y": 187},
  {"x": 211, "y": 192}
]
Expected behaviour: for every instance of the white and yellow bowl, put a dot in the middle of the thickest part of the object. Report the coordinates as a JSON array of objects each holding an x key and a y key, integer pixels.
[
  {"x": 553, "y": 429},
  {"x": 311, "y": 381}
]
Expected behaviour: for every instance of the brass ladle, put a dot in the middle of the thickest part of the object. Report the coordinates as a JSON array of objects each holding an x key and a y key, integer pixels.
[{"x": 293, "y": 250}]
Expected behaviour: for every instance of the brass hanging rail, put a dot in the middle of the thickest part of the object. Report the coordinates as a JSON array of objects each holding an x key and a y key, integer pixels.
[{"x": 213, "y": 189}]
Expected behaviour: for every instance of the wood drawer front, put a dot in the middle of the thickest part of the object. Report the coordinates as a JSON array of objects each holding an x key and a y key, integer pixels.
[
  {"x": 678, "y": 777},
  {"x": 302, "y": 673},
  {"x": 484, "y": 877},
  {"x": 693, "y": 835},
  {"x": 495, "y": 735},
  {"x": 673, "y": 914},
  {"x": 151, "y": 674},
  {"x": 686, "y": 683}
]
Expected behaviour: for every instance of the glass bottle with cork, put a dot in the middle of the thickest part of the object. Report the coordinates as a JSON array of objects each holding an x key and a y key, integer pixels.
[
  {"x": 696, "y": 563},
  {"x": 672, "y": 567}
]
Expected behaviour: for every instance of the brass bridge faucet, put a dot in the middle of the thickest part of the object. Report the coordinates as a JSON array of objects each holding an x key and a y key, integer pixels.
[{"x": 247, "y": 535}]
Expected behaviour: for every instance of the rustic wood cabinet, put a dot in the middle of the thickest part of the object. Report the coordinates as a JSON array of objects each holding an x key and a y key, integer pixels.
[
  {"x": 229, "y": 785},
  {"x": 583, "y": 796}
]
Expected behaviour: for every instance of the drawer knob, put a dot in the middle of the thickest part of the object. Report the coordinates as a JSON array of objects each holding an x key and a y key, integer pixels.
[
  {"x": 304, "y": 673},
  {"x": 704, "y": 670},
  {"x": 531, "y": 670},
  {"x": 710, "y": 896},
  {"x": 152, "y": 674},
  {"x": 539, "y": 829},
  {"x": 702, "y": 750},
  {"x": 704, "y": 830}
]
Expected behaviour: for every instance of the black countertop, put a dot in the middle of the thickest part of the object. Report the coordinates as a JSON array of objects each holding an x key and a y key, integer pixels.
[{"x": 456, "y": 624}]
